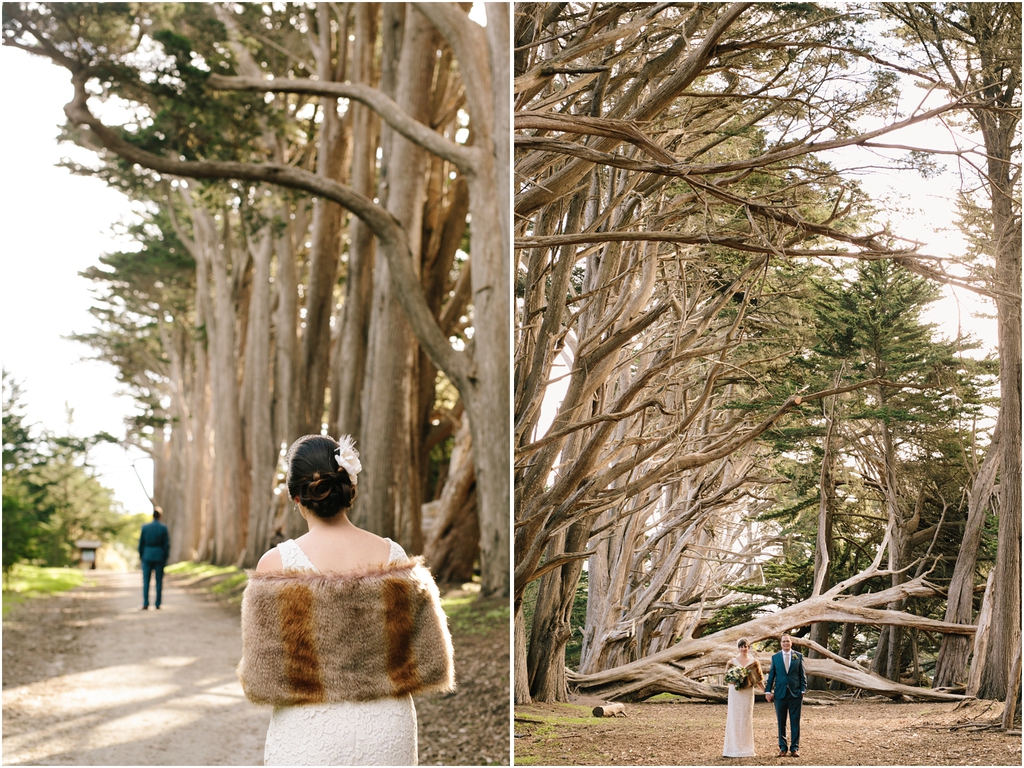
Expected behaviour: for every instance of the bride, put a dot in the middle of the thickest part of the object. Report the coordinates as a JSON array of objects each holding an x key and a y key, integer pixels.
[
  {"x": 739, "y": 724},
  {"x": 340, "y": 628}
]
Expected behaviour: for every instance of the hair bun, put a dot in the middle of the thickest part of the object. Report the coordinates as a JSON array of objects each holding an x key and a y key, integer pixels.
[
  {"x": 319, "y": 489},
  {"x": 315, "y": 478}
]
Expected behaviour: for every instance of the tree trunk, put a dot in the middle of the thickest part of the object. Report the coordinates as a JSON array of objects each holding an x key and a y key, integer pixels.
[
  {"x": 999, "y": 43},
  {"x": 823, "y": 550},
  {"x": 286, "y": 354},
  {"x": 350, "y": 358},
  {"x": 231, "y": 478},
  {"x": 325, "y": 254},
  {"x": 552, "y": 629},
  {"x": 259, "y": 433},
  {"x": 951, "y": 665},
  {"x": 521, "y": 685},
  {"x": 1010, "y": 707},
  {"x": 1005, "y": 637},
  {"x": 454, "y": 542},
  {"x": 981, "y": 638},
  {"x": 390, "y": 504},
  {"x": 174, "y": 501},
  {"x": 489, "y": 191},
  {"x": 200, "y": 482}
]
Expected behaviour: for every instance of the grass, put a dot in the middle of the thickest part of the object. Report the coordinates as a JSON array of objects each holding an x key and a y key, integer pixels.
[
  {"x": 190, "y": 569},
  {"x": 223, "y": 581},
  {"x": 576, "y": 714},
  {"x": 665, "y": 697},
  {"x": 472, "y": 615},
  {"x": 26, "y": 581},
  {"x": 230, "y": 583},
  {"x": 542, "y": 724}
]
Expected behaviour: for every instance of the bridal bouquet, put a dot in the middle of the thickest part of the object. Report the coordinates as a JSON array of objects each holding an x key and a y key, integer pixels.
[{"x": 737, "y": 676}]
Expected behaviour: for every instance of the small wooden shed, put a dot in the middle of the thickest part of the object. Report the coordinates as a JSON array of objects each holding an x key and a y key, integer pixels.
[{"x": 87, "y": 553}]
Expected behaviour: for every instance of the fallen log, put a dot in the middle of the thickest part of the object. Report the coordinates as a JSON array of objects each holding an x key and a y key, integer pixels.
[
  {"x": 610, "y": 710},
  {"x": 681, "y": 668},
  {"x": 868, "y": 681}
]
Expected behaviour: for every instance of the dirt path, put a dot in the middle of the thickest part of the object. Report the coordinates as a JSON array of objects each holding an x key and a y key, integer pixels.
[
  {"x": 89, "y": 679},
  {"x": 871, "y": 732}
]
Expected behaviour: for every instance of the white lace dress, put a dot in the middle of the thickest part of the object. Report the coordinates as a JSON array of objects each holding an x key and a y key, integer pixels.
[
  {"x": 381, "y": 732},
  {"x": 739, "y": 723}
]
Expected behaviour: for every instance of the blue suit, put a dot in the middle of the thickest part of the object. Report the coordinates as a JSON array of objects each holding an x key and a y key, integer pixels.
[
  {"x": 154, "y": 549},
  {"x": 788, "y": 689}
]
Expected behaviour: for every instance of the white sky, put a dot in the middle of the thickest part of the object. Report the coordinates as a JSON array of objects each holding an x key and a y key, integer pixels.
[
  {"x": 925, "y": 210},
  {"x": 54, "y": 226}
]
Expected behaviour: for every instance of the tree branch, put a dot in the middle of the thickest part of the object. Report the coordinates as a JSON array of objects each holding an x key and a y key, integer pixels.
[
  {"x": 393, "y": 239},
  {"x": 464, "y": 158}
]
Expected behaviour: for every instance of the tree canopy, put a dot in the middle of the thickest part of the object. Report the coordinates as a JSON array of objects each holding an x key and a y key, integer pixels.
[
  {"x": 752, "y": 403},
  {"x": 308, "y": 260}
]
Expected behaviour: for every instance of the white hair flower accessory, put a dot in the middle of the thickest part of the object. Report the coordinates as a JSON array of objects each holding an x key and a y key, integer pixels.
[{"x": 348, "y": 457}]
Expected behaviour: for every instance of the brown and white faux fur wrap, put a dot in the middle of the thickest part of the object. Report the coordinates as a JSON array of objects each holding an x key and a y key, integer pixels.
[{"x": 311, "y": 638}]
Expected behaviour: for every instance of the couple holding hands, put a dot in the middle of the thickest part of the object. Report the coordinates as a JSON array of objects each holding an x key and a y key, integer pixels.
[{"x": 785, "y": 686}]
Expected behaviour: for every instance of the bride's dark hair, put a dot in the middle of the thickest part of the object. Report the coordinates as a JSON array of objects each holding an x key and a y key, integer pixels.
[{"x": 316, "y": 480}]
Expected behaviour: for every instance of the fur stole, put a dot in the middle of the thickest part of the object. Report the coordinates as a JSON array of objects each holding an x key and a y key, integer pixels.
[{"x": 311, "y": 638}]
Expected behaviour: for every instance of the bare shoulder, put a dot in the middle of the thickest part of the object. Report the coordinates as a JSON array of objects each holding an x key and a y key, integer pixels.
[
  {"x": 271, "y": 561},
  {"x": 374, "y": 548},
  {"x": 378, "y": 544}
]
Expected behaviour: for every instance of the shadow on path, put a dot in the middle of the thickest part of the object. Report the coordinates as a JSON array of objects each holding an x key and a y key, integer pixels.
[{"x": 89, "y": 679}]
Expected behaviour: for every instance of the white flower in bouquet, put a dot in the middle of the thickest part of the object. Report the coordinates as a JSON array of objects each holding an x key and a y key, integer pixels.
[{"x": 737, "y": 676}]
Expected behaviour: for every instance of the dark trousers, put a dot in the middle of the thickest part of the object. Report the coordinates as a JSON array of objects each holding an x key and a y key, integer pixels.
[
  {"x": 790, "y": 705},
  {"x": 148, "y": 569}
]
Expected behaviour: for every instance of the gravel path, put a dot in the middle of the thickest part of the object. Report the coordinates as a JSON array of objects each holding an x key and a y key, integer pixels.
[{"x": 89, "y": 679}]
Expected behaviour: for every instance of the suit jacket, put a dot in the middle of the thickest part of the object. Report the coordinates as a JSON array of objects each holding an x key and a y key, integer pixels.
[
  {"x": 154, "y": 543},
  {"x": 784, "y": 684}
]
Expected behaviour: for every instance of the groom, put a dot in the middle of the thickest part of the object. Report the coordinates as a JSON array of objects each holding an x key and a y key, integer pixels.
[{"x": 786, "y": 684}]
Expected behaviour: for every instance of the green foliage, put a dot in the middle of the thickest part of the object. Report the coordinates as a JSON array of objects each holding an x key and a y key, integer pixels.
[
  {"x": 577, "y": 621},
  {"x": 732, "y": 615},
  {"x": 190, "y": 120},
  {"x": 51, "y": 495},
  {"x": 141, "y": 298},
  {"x": 866, "y": 322},
  {"x": 25, "y": 511},
  {"x": 21, "y": 523},
  {"x": 577, "y": 617},
  {"x": 26, "y": 581},
  {"x": 131, "y": 528},
  {"x": 788, "y": 580}
]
